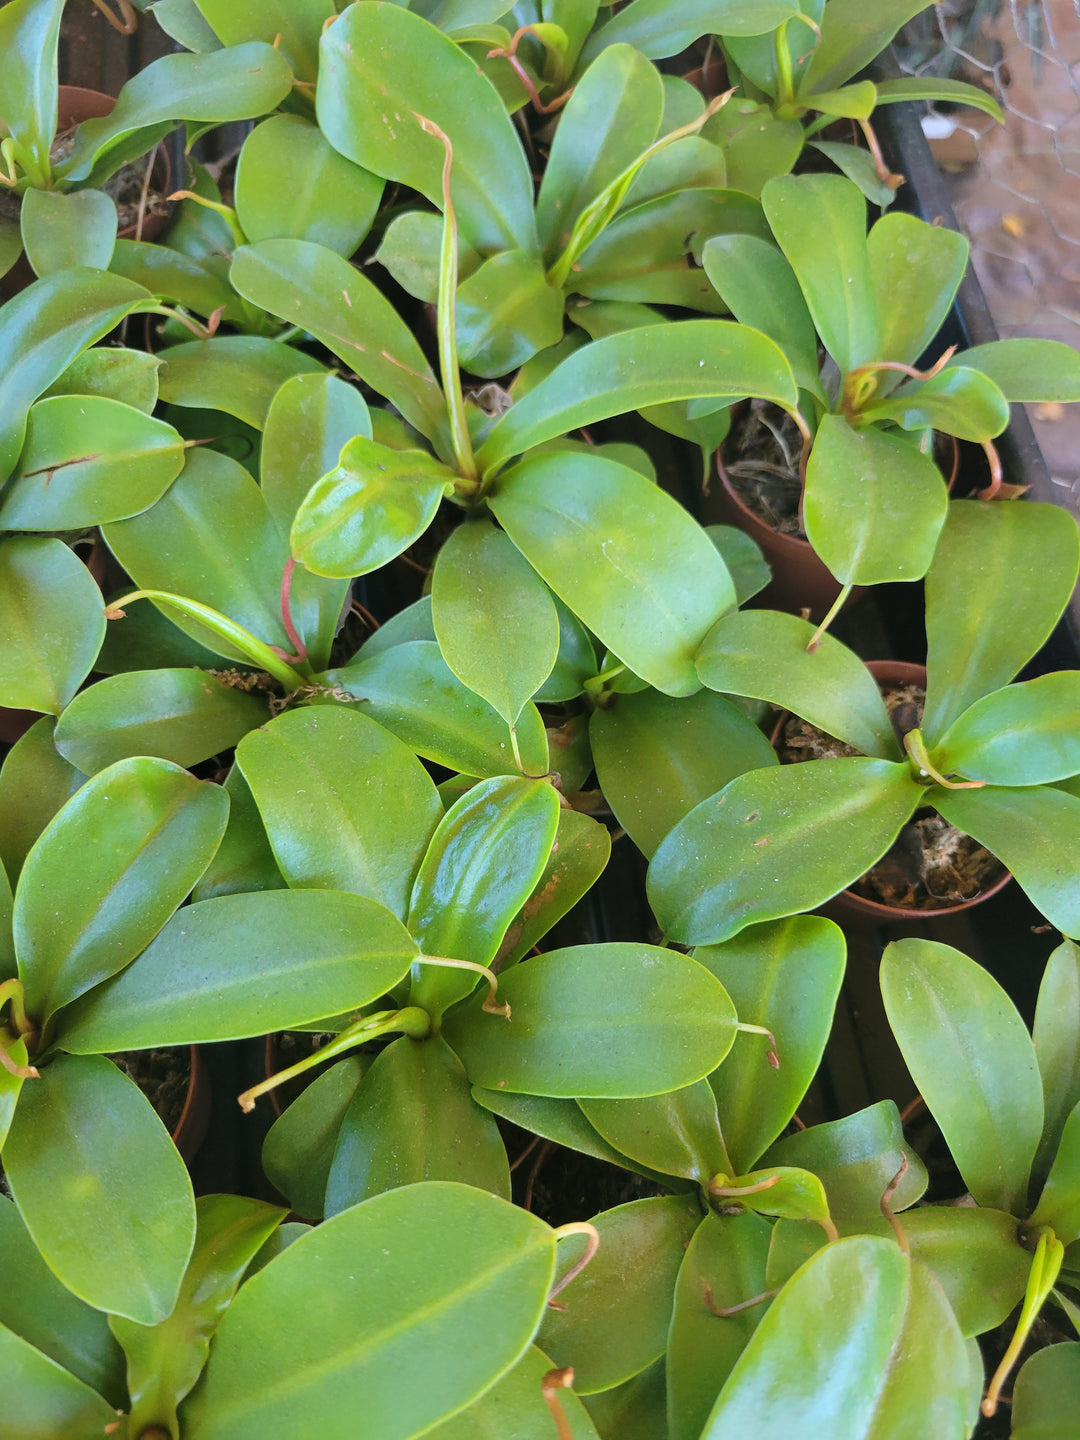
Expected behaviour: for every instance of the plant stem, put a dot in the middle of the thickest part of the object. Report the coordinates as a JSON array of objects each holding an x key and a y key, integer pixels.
[
  {"x": 834, "y": 610},
  {"x": 1049, "y": 1253}
]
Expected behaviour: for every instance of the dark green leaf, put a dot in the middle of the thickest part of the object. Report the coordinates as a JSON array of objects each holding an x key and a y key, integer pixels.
[
  {"x": 851, "y": 36},
  {"x": 578, "y": 856},
  {"x": 1026, "y": 734},
  {"x": 388, "y": 1289},
  {"x": 1056, "y": 1034},
  {"x": 515, "y": 1406},
  {"x": 1059, "y": 1203},
  {"x": 636, "y": 1410},
  {"x": 625, "y": 557},
  {"x": 1021, "y": 562},
  {"x": 617, "y": 1311},
  {"x": 676, "y": 1133},
  {"x": 574, "y": 664},
  {"x": 35, "y": 782},
  {"x": 786, "y": 977},
  {"x": 294, "y": 956},
  {"x": 199, "y": 285},
  {"x": 742, "y": 555},
  {"x": 347, "y": 805},
  {"x": 915, "y": 269},
  {"x": 972, "y": 1061},
  {"x": 299, "y": 1148},
  {"x": 763, "y": 654},
  {"x": 656, "y": 757},
  {"x": 506, "y": 312},
  {"x": 101, "y": 1187},
  {"x": 612, "y": 1021},
  {"x": 410, "y": 250},
  {"x": 63, "y": 229},
  {"x": 53, "y": 619},
  {"x": 108, "y": 872},
  {"x": 777, "y": 841},
  {"x": 239, "y": 374},
  {"x": 977, "y": 1258},
  {"x": 1027, "y": 370},
  {"x": 664, "y": 27},
  {"x": 413, "y": 1118},
  {"x": 39, "y": 1400},
  {"x": 113, "y": 374},
  {"x": 244, "y": 859},
  {"x": 1047, "y": 1393}
]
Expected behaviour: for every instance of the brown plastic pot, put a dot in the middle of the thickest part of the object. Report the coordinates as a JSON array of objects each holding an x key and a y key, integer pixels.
[
  {"x": 194, "y": 1119},
  {"x": 854, "y": 910}
]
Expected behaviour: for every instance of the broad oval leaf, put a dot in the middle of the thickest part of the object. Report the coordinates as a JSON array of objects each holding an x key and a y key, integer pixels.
[
  {"x": 915, "y": 269},
  {"x": 1056, "y": 1034},
  {"x": 763, "y": 654},
  {"x": 294, "y": 956},
  {"x": 957, "y": 401},
  {"x": 292, "y": 184},
  {"x": 625, "y": 557},
  {"x": 664, "y": 27},
  {"x": 47, "y": 1400},
  {"x": 112, "y": 373},
  {"x": 1047, "y": 1393},
  {"x": 785, "y": 976},
  {"x": 676, "y": 1133},
  {"x": 53, "y": 620},
  {"x": 482, "y": 591},
  {"x": 657, "y": 757},
  {"x": 35, "y": 782},
  {"x": 861, "y": 1342},
  {"x": 347, "y": 805},
  {"x": 107, "y": 873},
  {"x": 1027, "y": 734},
  {"x": 185, "y": 716},
  {"x": 294, "y": 25},
  {"x": 239, "y": 374},
  {"x": 578, "y": 856},
  {"x": 515, "y": 1405},
  {"x": 388, "y": 1288},
  {"x": 777, "y": 841},
  {"x": 972, "y": 1061},
  {"x": 61, "y": 229},
  {"x": 613, "y": 1317},
  {"x": 977, "y": 1257},
  {"x": 613, "y": 1021},
  {"x": 1025, "y": 369},
  {"x": 506, "y": 312},
  {"x": 299, "y": 1147},
  {"x": 696, "y": 359},
  {"x": 411, "y": 690},
  {"x": 310, "y": 421},
  {"x": 88, "y": 460},
  {"x": 413, "y": 1118},
  {"x": 101, "y": 1187},
  {"x": 244, "y": 860}
]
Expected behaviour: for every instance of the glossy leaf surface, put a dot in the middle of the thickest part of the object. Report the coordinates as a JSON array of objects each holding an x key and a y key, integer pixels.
[
  {"x": 239, "y": 374},
  {"x": 852, "y": 36},
  {"x": 29, "y": 33},
  {"x": 675, "y": 1134},
  {"x": 346, "y": 804},
  {"x": 776, "y": 841},
  {"x": 1026, "y": 369},
  {"x": 310, "y": 421},
  {"x": 959, "y": 401},
  {"x": 972, "y": 1060},
  {"x": 659, "y": 27},
  {"x": 35, "y": 782},
  {"x": 244, "y": 860},
  {"x": 112, "y": 373},
  {"x": 506, "y": 311},
  {"x": 53, "y": 619},
  {"x": 1027, "y": 734},
  {"x": 296, "y": 25},
  {"x": 515, "y": 1406},
  {"x": 578, "y": 856},
  {"x": 612, "y": 1021},
  {"x": 915, "y": 269},
  {"x": 46, "y": 1401},
  {"x": 108, "y": 872},
  {"x": 389, "y": 1288},
  {"x": 299, "y": 1147},
  {"x": 63, "y": 229},
  {"x": 1047, "y": 1393},
  {"x": 294, "y": 956},
  {"x": 977, "y": 1258},
  {"x": 101, "y": 1187},
  {"x": 1056, "y": 1034}
]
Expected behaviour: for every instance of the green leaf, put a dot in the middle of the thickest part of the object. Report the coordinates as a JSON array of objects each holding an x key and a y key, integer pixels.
[
  {"x": 852, "y": 102},
  {"x": 295, "y": 956},
  {"x": 1046, "y": 1394},
  {"x": 659, "y": 28},
  {"x": 383, "y": 66},
  {"x": 874, "y": 504},
  {"x": 47, "y": 325},
  {"x": 29, "y": 34},
  {"x": 820, "y": 224},
  {"x": 861, "y": 1342},
  {"x": 34, "y": 783},
  {"x": 113, "y": 374},
  {"x": 786, "y": 977},
  {"x": 727, "y": 1254},
  {"x": 617, "y": 1311},
  {"x": 53, "y": 620},
  {"x": 101, "y": 1187},
  {"x": 347, "y": 806},
  {"x": 506, "y": 312},
  {"x": 1021, "y": 561},
  {"x": 42, "y": 1312},
  {"x": 675, "y": 1134},
  {"x": 310, "y": 421},
  {"x": 166, "y": 1359},
  {"x": 484, "y": 861},
  {"x": 63, "y": 229},
  {"x": 851, "y": 36},
  {"x": 1056, "y": 1034},
  {"x": 763, "y": 654},
  {"x": 759, "y": 287},
  {"x": 575, "y": 662},
  {"x": 1059, "y": 1203},
  {"x": 482, "y": 590},
  {"x": 388, "y": 1288},
  {"x": 612, "y": 116},
  {"x": 299, "y": 1148},
  {"x": 656, "y": 758},
  {"x": 1033, "y": 831},
  {"x": 756, "y": 143},
  {"x": 413, "y": 692},
  {"x": 239, "y": 374},
  {"x": 40, "y": 1400},
  {"x": 244, "y": 860},
  {"x": 742, "y": 555},
  {"x": 777, "y": 841},
  {"x": 977, "y": 1258},
  {"x": 958, "y": 401},
  {"x": 972, "y": 1061},
  {"x": 645, "y": 366},
  {"x": 636, "y": 1410},
  {"x": 578, "y": 856},
  {"x": 515, "y": 1406},
  {"x": 295, "y": 25},
  {"x": 1027, "y": 734},
  {"x": 915, "y": 270},
  {"x": 611, "y": 1021},
  {"x": 929, "y": 87},
  {"x": 106, "y": 874},
  {"x": 292, "y": 184},
  {"x": 625, "y": 557},
  {"x": 1027, "y": 370},
  {"x": 859, "y": 167},
  {"x": 185, "y": 716},
  {"x": 199, "y": 285},
  {"x": 306, "y": 284},
  {"x": 413, "y": 1118},
  {"x": 410, "y": 250},
  {"x": 11, "y": 1085},
  {"x": 88, "y": 460},
  {"x": 234, "y": 84}
]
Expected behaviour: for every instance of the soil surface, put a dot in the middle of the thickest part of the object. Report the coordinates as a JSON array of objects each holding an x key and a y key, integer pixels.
[
  {"x": 932, "y": 865},
  {"x": 761, "y": 459},
  {"x": 162, "y": 1075}
]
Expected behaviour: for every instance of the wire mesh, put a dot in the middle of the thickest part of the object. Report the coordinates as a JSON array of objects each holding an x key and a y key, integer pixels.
[{"x": 1015, "y": 187}]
